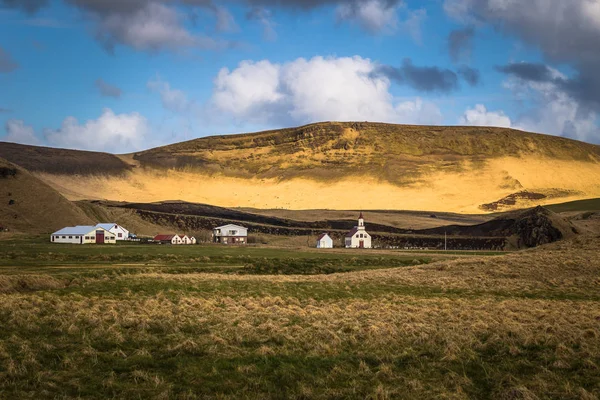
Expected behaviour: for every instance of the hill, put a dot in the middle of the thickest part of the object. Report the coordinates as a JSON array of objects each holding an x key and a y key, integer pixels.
[
  {"x": 62, "y": 161},
  {"x": 344, "y": 166},
  {"x": 29, "y": 205}
]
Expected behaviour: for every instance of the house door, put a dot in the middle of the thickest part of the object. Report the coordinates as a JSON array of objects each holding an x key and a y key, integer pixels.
[
  {"x": 99, "y": 237},
  {"x": 361, "y": 244}
]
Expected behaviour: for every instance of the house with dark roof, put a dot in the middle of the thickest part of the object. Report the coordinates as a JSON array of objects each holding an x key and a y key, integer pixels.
[
  {"x": 358, "y": 237},
  {"x": 324, "y": 241},
  {"x": 167, "y": 239}
]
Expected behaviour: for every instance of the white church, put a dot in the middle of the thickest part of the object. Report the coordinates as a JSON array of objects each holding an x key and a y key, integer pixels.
[{"x": 358, "y": 238}]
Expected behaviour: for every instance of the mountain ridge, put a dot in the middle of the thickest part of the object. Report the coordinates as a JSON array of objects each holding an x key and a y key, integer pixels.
[{"x": 338, "y": 165}]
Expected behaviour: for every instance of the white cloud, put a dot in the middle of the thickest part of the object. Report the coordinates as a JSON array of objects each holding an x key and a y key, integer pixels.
[
  {"x": 412, "y": 24},
  {"x": 250, "y": 91},
  {"x": 18, "y": 132},
  {"x": 153, "y": 27},
  {"x": 312, "y": 90},
  {"x": 553, "y": 110},
  {"x": 265, "y": 17},
  {"x": 225, "y": 21},
  {"x": 565, "y": 32},
  {"x": 116, "y": 133},
  {"x": 547, "y": 109},
  {"x": 418, "y": 112},
  {"x": 480, "y": 116},
  {"x": 372, "y": 15},
  {"x": 172, "y": 99}
]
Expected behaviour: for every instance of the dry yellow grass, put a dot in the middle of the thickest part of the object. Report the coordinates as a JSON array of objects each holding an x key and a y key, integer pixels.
[
  {"x": 452, "y": 191},
  {"x": 520, "y": 326}
]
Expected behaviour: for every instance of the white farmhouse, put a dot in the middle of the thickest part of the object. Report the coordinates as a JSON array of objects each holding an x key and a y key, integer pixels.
[
  {"x": 230, "y": 234},
  {"x": 324, "y": 241},
  {"x": 358, "y": 238},
  {"x": 83, "y": 235},
  {"x": 119, "y": 232}
]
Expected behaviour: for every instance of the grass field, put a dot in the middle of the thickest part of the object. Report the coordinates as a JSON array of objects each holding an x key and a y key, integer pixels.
[{"x": 205, "y": 322}]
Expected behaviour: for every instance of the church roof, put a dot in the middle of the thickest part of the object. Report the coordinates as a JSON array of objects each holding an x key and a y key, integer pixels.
[{"x": 352, "y": 232}]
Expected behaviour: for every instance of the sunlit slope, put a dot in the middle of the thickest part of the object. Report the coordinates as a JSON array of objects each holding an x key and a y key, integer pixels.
[{"x": 355, "y": 166}]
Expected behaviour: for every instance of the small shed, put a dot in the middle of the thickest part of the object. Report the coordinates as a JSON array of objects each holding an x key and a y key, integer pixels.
[
  {"x": 230, "y": 234},
  {"x": 324, "y": 241},
  {"x": 83, "y": 235}
]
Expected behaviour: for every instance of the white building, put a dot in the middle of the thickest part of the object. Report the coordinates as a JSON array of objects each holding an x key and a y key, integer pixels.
[
  {"x": 174, "y": 239},
  {"x": 83, "y": 235},
  {"x": 324, "y": 241},
  {"x": 230, "y": 234},
  {"x": 358, "y": 238},
  {"x": 168, "y": 239},
  {"x": 185, "y": 239},
  {"x": 119, "y": 232}
]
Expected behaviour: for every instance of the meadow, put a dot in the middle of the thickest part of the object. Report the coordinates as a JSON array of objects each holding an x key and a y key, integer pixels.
[{"x": 166, "y": 322}]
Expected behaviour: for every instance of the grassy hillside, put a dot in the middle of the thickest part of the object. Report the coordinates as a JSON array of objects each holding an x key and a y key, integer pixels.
[
  {"x": 580, "y": 205},
  {"x": 62, "y": 161},
  {"x": 394, "y": 153},
  {"x": 30, "y": 205},
  {"x": 348, "y": 166},
  {"x": 519, "y": 326}
]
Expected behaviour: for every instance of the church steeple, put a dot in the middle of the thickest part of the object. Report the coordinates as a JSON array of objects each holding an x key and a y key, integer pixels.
[{"x": 361, "y": 220}]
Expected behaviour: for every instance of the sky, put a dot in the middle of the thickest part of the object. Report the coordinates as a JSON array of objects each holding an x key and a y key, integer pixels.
[{"x": 127, "y": 75}]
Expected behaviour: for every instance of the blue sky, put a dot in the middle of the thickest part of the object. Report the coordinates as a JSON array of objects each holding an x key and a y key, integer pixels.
[{"x": 121, "y": 76}]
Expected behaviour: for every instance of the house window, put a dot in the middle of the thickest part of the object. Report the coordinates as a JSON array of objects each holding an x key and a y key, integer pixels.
[
  {"x": 70, "y": 237},
  {"x": 119, "y": 234}
]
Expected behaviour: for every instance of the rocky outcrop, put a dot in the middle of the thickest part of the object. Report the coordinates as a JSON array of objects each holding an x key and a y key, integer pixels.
[{"x": 541, "y": 226}]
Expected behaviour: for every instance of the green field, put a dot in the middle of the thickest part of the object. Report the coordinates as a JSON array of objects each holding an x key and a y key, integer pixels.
[{"x": 148, "y": 321}]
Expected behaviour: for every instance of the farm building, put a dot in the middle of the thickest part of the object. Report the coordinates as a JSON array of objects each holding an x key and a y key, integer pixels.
[
  {"x": 324, "y": 241},
  {"x": 116, "y": 229},
  {"x": 358, "y": 238},
  {"x": 174, "y": 239},
  {"x": 83, "y": 235},
  {"x": 185, "y": 239},
  {"x": 230, "y": 234}
]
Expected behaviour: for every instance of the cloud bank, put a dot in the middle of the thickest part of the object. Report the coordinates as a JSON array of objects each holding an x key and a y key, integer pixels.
[{"x": 317, "y": 89}]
